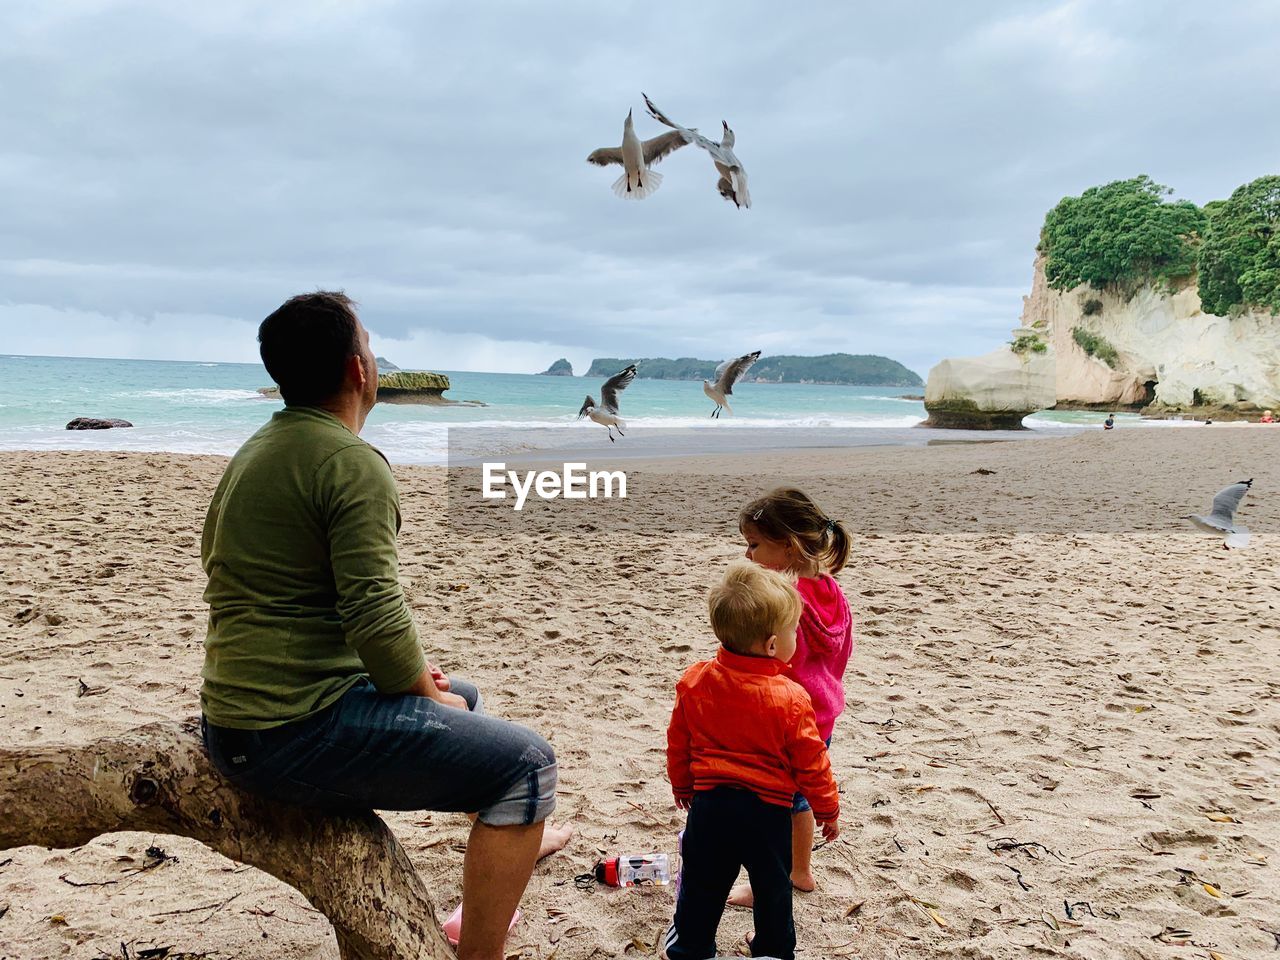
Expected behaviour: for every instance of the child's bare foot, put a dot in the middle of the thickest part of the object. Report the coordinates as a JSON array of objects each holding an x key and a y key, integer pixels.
[
  {"x": 741, "y": 896},
  {"x": 804, "y": 882},
  {"x": 554, "y": 839}
]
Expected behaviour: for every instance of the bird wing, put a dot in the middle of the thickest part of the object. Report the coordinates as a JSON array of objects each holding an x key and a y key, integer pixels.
[
  {"x": 732, "y": 169},
  {"x": 732, "y": 173},
  {"x": 660, "y": 146},
  {"x": 605, "y": 156},
  {"x": 587, "y": 404},
  {"x": 731, "y": 371},
  {"x": 1237, "y": 539},
  {"x": 1228, "y": 500},
  {"x": 615, "y": 385},
  {"x": 689, "y": 134},
  {"x": 741, "y": 196}
]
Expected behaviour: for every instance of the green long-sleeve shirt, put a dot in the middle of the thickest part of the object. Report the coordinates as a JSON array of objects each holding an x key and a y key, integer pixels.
[{"x": 304, "y": 591}]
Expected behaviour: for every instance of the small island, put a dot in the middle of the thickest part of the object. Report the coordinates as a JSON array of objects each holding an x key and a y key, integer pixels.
[
  {"x": 561, "y": 368},
  {"x": 385, "y": 365},
  {"x": 842, "y": 369}
]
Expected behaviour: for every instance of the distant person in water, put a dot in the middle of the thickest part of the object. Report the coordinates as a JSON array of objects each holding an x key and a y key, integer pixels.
[
  {"x": 1267, "y": 417},
  {"x": 316, "y": 691},
  {"x": 1110, "y": 422}
]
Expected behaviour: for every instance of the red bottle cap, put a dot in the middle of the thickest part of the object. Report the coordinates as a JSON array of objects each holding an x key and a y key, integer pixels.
[{"x": 607, "y": 872}]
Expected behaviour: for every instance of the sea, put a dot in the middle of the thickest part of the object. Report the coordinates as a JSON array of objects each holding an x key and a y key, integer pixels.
[{"x": 211, "y": 408}]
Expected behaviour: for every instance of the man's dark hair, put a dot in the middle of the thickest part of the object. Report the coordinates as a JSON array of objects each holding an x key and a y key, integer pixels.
[{"x": 306, "y": 343}]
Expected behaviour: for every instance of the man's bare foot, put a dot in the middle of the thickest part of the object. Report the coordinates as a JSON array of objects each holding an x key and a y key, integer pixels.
[
  {"x": 555, "y": 838},
  {"x": 804, "y": 882}
]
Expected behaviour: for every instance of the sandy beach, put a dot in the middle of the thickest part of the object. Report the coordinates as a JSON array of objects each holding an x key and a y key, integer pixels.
[{"x": 1062, "y": 737}]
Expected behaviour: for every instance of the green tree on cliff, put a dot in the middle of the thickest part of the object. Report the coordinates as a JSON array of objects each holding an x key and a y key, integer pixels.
[
  {"x": 1123, "y": 233},
  {"x": 1240, "y": 259}
]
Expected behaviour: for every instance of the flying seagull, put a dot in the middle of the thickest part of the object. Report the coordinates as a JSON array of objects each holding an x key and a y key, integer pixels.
[
  {"x": 726, "y": 375},
  {"x": 1221, "y": 519},
  {"x": 607, "y": 413},
  {"x": 636, "y": 156},
  {"x": 732, "y": 184}
]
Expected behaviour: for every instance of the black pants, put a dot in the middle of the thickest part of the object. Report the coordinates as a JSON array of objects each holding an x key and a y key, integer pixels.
[{"x": 727, "y": 829}]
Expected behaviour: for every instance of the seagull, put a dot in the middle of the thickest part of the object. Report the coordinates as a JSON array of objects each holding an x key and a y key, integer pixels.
[
  {"x": 732, "y": 184},
  {"x": 1221, "y": 519},
  {"x": 636, "y": 156},
  {"x": 726, "y": 375},
  {"x": 607, "y": 413}
]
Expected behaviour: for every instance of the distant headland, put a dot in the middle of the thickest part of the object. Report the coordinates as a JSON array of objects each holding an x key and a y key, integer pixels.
[{"x": 844, "y": 369}]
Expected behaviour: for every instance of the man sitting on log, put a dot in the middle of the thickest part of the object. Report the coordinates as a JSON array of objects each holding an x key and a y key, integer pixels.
[{"x": 315, "y": 687}]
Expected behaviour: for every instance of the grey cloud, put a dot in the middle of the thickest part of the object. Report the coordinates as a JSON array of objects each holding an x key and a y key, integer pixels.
[{"x": 159, "y": 160}]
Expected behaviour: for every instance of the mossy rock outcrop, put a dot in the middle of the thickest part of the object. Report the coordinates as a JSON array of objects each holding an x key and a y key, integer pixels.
[
  {"x": 964, "y": 414},
  {"x": 416, "y": 386},
  {"x": 404, "y": 386}
]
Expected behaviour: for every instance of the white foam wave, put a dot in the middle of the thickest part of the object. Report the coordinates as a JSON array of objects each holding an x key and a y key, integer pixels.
[{"x": 197, "y": 396}]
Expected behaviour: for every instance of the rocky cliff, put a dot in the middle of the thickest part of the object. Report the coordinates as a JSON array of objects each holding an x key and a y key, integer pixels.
[{"x": 1155, "y": 350}]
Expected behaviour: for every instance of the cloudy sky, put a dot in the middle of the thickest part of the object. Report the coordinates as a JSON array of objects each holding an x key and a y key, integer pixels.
[{"x": 171, "y": 172}]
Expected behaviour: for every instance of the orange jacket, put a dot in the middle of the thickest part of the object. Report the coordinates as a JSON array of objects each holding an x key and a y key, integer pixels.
[{"x": 740, "y": 721}]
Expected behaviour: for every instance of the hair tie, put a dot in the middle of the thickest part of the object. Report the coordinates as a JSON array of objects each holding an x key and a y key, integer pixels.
[{"x": 831, "y": 525}]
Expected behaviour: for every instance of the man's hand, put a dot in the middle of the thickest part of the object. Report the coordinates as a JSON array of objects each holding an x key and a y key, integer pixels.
[
  {"x": 830, "y": 830},
  {"x": 434, "y": 685},
  {"x": 683, "y": 803},
  {"x": 441, "y": 681}
]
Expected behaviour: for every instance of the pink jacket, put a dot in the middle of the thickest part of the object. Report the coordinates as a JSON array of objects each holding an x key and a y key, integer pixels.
[{"x": 824, "y": 644}]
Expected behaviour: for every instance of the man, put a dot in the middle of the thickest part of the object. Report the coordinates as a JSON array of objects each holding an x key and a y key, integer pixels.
[{"x": 315, "y": 687}]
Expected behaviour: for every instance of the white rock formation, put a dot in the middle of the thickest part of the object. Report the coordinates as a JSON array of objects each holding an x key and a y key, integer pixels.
[
  {"x": 1169, "y": 349},
  {"x": 993, "y": 391},
  {"x": 1170, "y": 355}
]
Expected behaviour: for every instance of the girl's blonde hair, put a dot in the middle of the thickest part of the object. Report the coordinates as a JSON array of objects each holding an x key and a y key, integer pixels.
[
  {"x": 750, "y": 604},
  {"x": 789, "y": 516}
]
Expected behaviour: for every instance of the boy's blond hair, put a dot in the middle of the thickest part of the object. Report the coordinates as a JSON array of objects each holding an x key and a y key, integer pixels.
[{"x": 751, "y": 604}]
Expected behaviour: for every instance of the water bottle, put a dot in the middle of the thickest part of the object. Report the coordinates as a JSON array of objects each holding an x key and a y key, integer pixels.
[{"x": 635, "y": 870}]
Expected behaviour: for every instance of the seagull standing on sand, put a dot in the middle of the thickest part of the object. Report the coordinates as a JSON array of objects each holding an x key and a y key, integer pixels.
[
  {"x": 607, "y": 413},
  {"x": 732, "y": 184},
  {"x": 636, "y": 156},
  {"x": 726, "y": 375},
  {"x": 1221, "y": 519}
]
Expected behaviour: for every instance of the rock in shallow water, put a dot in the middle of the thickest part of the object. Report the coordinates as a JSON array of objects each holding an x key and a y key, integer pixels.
[
  {"x": 991, "y": 392},
  {"x": 96, "y": 423}
]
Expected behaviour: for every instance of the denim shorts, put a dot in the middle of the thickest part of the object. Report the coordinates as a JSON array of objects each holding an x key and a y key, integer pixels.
[
  {"x": 368, "y": 751},
  {"x": 799, "y": 804}
]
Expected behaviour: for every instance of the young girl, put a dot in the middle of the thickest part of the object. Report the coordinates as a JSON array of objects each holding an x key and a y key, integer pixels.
[{"x": 787, "y": 531}]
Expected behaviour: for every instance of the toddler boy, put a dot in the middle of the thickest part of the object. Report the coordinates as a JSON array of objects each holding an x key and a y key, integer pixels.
[{"x": 742, "y": 742}]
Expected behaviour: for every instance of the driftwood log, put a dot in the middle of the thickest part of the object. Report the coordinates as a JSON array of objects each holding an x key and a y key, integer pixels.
[{"x": 158, "y": 778}]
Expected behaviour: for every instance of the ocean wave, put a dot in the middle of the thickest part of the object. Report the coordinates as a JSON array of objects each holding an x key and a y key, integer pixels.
[{"x": 197, "y": 396}]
